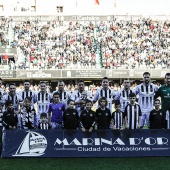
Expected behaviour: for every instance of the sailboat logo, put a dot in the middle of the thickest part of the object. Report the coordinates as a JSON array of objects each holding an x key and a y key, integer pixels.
[{"x": 34, "y": 144}]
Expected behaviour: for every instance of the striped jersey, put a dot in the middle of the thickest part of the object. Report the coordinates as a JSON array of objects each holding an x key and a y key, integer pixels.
[
  {"x": 1, "y": 116},
  {"x": 122, "y": 95},
  {"x": 44, "y": 126},
  {"x": 30, "y": 93},
  {"x": 76, "y": 96},
  {"x": 16, "y": 99},
  {"x": 117, "y": 118},
  {"x": 43, "y": 101},
  {"x": 64, "y": 96},
  {"x": 109, "y": 94},
  {"x": 1, "y": 94},
  {"x": 132, "y": 114},
  {"x": 146, "y": 96},
  {"x": 28, "y": 117},
  {"x": 167, "y": 118}
]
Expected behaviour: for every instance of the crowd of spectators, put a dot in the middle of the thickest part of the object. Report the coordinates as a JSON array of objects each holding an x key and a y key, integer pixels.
[{"x": 139, "y": 43}]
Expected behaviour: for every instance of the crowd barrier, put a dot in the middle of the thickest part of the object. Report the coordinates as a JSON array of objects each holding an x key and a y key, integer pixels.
[{"x": 75, "y": 143}]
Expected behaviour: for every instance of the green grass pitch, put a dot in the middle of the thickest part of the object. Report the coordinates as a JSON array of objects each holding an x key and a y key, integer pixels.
[{"x": 141, "y": 163}]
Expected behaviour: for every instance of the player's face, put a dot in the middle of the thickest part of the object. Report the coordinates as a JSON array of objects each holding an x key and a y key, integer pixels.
[
  {"x": 27, "y": 103},
  {"x": 117, "y": 107},
  {"x": 56, "y": 98},
  {"x": 103, "y": 103},
  {"x": 43, "y": 119},
  {"x": 126, "y": 84},
  {"x": 132, "y": 100},
  {"x": 167, "y": 79},
  {"x": 81, "y": 86},
  {"x": 10, "y": 106},
  {"x": 61, "y": 86},
  {"x": 12, "y": 89},
  {"x": 43, "y": 87},
  {"x": 89, "y": 106},
  {"x": 105, "y": 83},
  {"x": 26, "y": 85},
  {"x": 157, "y": 104},
  {"x": 146, "y": 78},
  {"x": 71, "y": 105}
]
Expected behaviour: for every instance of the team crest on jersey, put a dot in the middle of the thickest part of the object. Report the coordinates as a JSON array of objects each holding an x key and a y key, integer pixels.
[
  {"x": 107, "y": 114},
  {"x": 91, "y": 115},
  {"x": 74, "y": 113}
]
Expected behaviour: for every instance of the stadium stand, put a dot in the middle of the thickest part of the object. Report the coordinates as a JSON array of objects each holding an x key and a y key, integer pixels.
[{"x": 133, "y": 44}]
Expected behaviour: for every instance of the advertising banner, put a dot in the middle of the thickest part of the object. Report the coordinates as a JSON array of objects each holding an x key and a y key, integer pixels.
[
  {"x": 42, "y": 74},
  {"x": 8, "y": 51},
  {"x": 7, "y": 74},
  {"x": 83, "y": 73},
  {"x": 100, "y": 143}
]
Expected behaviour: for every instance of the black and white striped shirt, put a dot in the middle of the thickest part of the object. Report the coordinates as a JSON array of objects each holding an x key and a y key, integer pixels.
[
  {"x": 1, "y": 116},
  {"x": 76, "y": 96},
  {"x": 44, "y": 126},
  {"x": 30, "y": 93},
  {"x": 64, "y": 96},
  {"x": 16, "y": 99},
  {"x": 146, "y": 96},
  {"x": 1, "y": 94},
  {"x": 117, "y": 118},
  {"x": 109, "y": 94},
  {"x": 132, "y": 114},
  {"x": 43, "y": 101},
  {"x": 28, "y": 117},
  {"x": 123, "y": 96}
]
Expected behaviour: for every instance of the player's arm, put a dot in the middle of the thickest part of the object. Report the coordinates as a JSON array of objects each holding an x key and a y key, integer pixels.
[
  {"x": 139, "y": 120},
  {"x": 150, "y": 120},
  {"x": 94, "y": 122},
  {"x": 125, "y": 118},
  {"x": 16, "y": 122},
  {"x": 35, "y": 119},
  {"x": 96, "y": 97},
  {"x": 112, "y": 121},
  {"x": 165, "y": 125},
  {"x": 49, "y": 114},
  {"x": 64, "y": 117},
  {"x": 81, "y": 123},
  {"x": 77, "y": 116},
  {"x": 113, "y": 96},
  {"x": 157, "y": 93}
]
